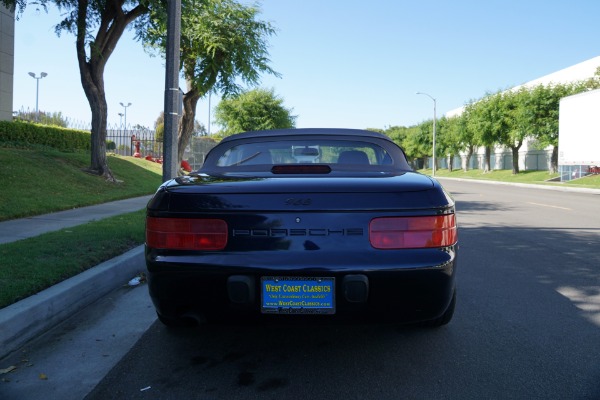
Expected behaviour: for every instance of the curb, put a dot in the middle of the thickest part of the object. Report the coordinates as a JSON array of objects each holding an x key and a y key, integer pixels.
[{"x": 30, "y": 317}]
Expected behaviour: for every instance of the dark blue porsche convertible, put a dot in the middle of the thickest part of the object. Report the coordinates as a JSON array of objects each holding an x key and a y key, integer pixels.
[{"x": 306, "y": 225}]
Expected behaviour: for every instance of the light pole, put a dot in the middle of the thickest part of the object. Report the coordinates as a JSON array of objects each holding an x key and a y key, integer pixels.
[
  {"x": 37, "y": 91},
  {"x": 434, "y": 118},
  {"x": 121, "y": 121},
  {"x": 125, "y": 107},
  {"x": 209, "y": 93}
]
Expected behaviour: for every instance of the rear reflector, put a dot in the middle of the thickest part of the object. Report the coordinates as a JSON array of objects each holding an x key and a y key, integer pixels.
[
  {"x": 186, "y": 234},
  {"x": 413, "y": 232}
]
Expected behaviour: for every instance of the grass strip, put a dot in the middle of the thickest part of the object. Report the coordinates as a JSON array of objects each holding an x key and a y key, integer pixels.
[
  {"x": 529, "y": 177},
  {"x": 32, "y": 265}
]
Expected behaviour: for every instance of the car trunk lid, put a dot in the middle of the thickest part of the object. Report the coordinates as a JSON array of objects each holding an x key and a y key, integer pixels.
[{"x": 212, "y": 194}]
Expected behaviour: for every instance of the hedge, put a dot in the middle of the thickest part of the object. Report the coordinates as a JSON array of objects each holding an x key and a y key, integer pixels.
[{"x": 53, "y": 136}]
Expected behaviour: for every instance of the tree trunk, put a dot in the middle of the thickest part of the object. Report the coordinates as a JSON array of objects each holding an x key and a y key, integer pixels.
[
  {"x": 99, "y": 162},
  {"x": 186, "y": 129},
  {"x": 486, "y": 162},
  {"x": 470, "y": 151},
  {"x": 554, "y": 160},
  {"x": 450, "y": 162},
  {"x": 93, "y": 86},
  {"x": 515, "y": 157},
  {"x": 112, "y": 25}
]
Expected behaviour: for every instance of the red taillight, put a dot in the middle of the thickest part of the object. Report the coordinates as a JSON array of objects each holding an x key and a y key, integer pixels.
[
  {"x": 413, "y": 232},
  {"x": 186, "y": 234}
]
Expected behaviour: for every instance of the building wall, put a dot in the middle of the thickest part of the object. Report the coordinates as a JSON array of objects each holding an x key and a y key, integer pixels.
[{"x": 7, "y": 55}]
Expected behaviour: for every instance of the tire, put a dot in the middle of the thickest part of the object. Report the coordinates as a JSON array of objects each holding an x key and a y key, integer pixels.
[{"x": 446, "y": 316}]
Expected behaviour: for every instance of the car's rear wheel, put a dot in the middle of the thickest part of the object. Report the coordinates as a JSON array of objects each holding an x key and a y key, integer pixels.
[{"x": 446, "y": 316}]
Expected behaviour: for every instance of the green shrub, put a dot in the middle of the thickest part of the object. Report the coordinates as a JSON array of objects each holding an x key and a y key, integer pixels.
[{"x": 51, "y": 136}]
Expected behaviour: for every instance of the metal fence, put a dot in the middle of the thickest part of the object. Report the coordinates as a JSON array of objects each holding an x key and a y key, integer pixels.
[
  {"x": 139, "y": 143},
  {"x": 571, "y": 172},
  {"x": 142, "y": 143},
  {"x": 533, "y": 160},
  {"x": 198, "y": 149}
]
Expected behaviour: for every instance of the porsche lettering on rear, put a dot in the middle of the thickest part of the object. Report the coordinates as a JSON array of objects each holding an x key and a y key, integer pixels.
[
  {"x": 297, "y": 202},
  {"x": 297, "y": 232}
]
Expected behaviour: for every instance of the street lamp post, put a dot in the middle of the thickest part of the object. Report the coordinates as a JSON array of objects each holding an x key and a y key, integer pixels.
[
  {"x": 121, "y": 121},
  {"x": 434, "y": 118},
  {"x": 125, "y": 108},
  {"x": 37, "y": 91},
  {"x": 209, "y": 93}
]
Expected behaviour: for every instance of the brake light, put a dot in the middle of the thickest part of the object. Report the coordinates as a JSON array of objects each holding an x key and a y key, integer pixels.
[
  {"x": 413, "y": 232},
  {"x": 186, "y": 234},
  {"x": 301, "y": 169}
]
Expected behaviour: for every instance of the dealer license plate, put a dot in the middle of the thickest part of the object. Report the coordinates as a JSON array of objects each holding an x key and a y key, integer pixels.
[{"x": 297, "y": 295}]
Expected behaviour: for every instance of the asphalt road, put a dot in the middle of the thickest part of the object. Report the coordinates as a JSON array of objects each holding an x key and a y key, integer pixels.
[{"x": 527, "y": 325}]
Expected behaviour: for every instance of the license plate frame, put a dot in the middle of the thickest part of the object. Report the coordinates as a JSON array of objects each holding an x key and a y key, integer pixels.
[{"x": 297, "y": 295}]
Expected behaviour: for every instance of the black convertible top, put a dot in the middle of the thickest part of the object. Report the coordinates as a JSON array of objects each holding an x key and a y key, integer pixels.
[{"x": 307, "y": 131}]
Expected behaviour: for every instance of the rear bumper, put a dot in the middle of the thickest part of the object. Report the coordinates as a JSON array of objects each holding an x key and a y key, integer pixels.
[{"x": 385, "y": 289}]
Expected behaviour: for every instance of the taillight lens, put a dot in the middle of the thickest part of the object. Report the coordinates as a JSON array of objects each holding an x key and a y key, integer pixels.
[
  {"x": 413, "y": 232},
  {"x": 186, "y": 234}
]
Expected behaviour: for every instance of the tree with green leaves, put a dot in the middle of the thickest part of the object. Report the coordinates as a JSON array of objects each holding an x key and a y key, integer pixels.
[
  {"x": 514, "y": 121},
  {"x": 254, "y": 110},
  {"x": 441, "y": 140},
  {"x": 466, "y": 138},
  {"x": 544, "y": 109},
  {"x": 405, "y": 137},
  {"x": 223, "y": 44},
  {"x": 97, "y": 26},
  {"x": 418, "y": 142},
  {"x": 486, "y": 122},
  {"x": 450, "y": 138},
  {"x": 397, "y": 133}
]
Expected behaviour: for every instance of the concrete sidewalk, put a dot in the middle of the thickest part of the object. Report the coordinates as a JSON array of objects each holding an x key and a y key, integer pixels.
[{"x": 28, "y": 318}]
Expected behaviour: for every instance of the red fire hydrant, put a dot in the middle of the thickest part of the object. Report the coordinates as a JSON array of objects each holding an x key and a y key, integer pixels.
[{"x": 137, "y": 148}]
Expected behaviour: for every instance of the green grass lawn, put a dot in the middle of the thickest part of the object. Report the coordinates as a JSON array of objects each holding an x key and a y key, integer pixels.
[
  {"x": 529, "y": 177},
  {"x": 31, "y": 265},
  {"x": 42, "y": 180}
]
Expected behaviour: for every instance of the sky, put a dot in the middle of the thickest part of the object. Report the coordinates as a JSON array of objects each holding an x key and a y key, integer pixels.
[{"x": 343, "y": 63}]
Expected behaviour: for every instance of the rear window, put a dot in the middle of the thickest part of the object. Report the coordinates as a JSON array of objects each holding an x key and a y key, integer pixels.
[{"x": 338, "y": 152}]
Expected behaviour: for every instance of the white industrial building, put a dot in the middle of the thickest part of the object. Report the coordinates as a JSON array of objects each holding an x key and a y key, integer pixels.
[
  {"x": 579, "y": 135},
  {"x": 531, "y": 158}
]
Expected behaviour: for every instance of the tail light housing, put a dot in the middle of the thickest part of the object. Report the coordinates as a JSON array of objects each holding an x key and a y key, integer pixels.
[
  {"x": 186, "y": 234},
  {"x": 413, "y": 232}
]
